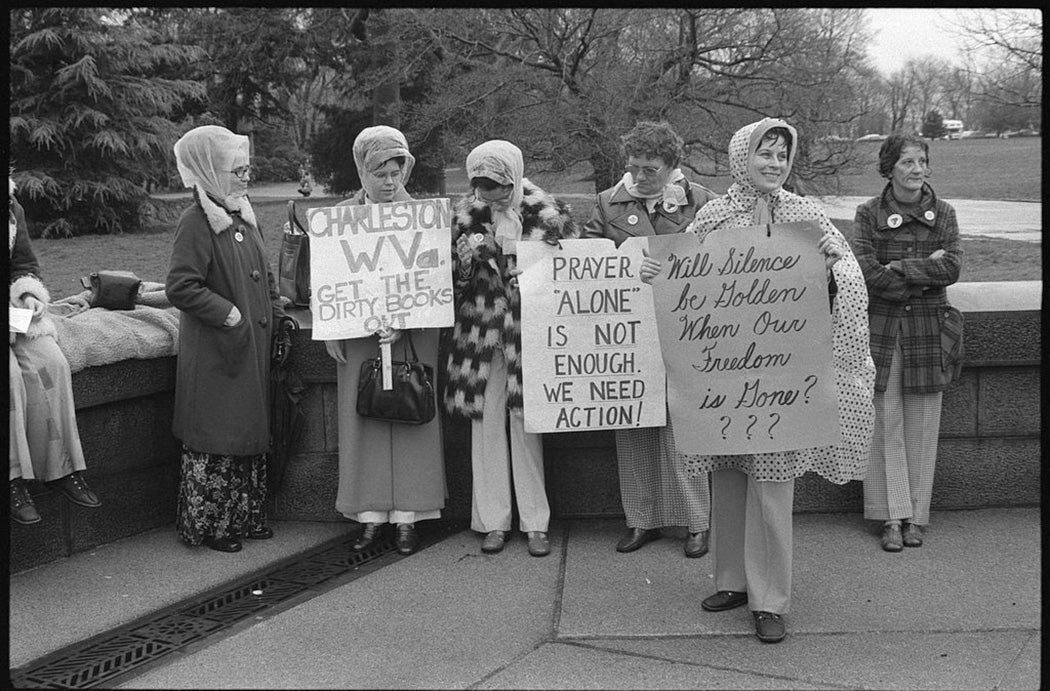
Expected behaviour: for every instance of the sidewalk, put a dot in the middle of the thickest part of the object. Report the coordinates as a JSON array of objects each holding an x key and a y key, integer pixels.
[{"x": 962, "y": 612}]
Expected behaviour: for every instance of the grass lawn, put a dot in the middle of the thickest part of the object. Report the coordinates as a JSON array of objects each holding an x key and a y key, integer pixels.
[
  {"x": 63, "y": 262},
  {"x": 1007, "y": 169}
]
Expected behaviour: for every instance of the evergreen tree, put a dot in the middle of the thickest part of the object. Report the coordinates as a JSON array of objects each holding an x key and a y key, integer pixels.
[
  {"x": 91, "y": 95},
  {"x": 933, "y": 125}
]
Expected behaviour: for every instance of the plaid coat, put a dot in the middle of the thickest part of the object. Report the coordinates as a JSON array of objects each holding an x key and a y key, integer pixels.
[
  {"x": 488, "y": 310},
  {"x": 906, "y": 288}
]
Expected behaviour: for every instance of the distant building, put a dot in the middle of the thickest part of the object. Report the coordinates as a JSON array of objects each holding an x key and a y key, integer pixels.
[{"x": 953, "y": 128}]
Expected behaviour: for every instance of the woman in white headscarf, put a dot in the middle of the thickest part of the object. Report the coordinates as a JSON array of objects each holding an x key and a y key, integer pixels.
[
  {"x": 752, "y": 494},
  {"x": 388, "y": 473},
  {"x": 220, "y": 280},
  {"x": 484, "y": 363}
]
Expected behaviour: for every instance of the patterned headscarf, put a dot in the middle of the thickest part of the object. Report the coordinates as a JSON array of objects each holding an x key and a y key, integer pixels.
[
  {"x": 373, "y": 147},
  {"x": 854, "y": 368},
  {"x": 205, "y": 156},
  {"x": 501, "y": 161}
]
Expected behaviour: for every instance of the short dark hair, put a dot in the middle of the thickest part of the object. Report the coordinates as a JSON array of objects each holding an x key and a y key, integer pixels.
[
  {"x": 890, "y": 151},
  {"x": 654, "y": 139},
  {"x": 774, "y": 133}
]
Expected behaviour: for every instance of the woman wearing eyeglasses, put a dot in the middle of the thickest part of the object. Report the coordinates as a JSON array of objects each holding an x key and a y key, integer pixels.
[
  {"x": 653, "y": 198},
  {"x": 484, "y": 364},
  {"x": 220, "y": 280}
]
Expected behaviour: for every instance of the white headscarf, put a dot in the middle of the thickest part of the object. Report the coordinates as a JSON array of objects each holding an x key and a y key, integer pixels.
[
  {"x": 205, "y": 156},
  {"x": 502, "y": 162},
  {"x": 373, "y": 147},
  {"x": 671, "y": 196}
]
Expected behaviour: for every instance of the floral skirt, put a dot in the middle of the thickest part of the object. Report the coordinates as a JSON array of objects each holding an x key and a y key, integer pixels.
[{"x": 220, "y": 495}]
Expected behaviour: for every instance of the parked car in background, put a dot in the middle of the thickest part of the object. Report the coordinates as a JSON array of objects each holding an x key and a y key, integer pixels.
[{"x": 872, "y": 138}]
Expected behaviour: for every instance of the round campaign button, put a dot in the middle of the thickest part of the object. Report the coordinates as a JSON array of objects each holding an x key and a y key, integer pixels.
[
  {"x": 929, "y": 215},
  {"x": 238, "y": 237},
  {"x": 632, "y": 219},
  {"x": 894, "y": 221}
]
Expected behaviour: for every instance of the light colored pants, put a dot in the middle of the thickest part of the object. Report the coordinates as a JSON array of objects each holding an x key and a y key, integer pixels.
[
  {"x": 45, "y": 440},
  {"x": 494, "y": 462},
  {"x": 751, "y": 538},
  {"x": 899, "y": 482},
  {"x": 395, "y": 516}
]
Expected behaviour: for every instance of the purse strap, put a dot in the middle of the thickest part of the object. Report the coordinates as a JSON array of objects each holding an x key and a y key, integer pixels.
[
  {"x": 410, "y": 344},
  {"x": 293, "y": 221}
]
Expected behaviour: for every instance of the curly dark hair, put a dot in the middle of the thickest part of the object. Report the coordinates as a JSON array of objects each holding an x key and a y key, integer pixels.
[
  {"x": 652, "y": 139},
  {"x": 775, "y": 133},
  {"x": 890, "y": 151}
]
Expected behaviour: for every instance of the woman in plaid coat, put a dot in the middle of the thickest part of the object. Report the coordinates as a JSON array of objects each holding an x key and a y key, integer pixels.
[{"x": 907, "y": 244}]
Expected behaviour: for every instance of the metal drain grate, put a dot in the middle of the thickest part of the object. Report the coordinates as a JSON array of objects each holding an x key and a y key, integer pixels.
[{"x": 121, "y": 651}]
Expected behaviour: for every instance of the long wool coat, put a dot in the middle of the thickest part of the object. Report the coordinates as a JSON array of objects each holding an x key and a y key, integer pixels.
[
  {"x": 618, "y": 216},
  {"x": 24, "y": 273},
  {"x": 223, "y": 379},
  {"x": 488, "y": 310},
  {"x": 913, "y": 304}
]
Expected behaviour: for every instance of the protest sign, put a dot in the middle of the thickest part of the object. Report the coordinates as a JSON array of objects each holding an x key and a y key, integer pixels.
[
  {"x": 588, "y": 338},
  {"x": 380, "y": 265},
  {"x": 745, "y": 332}
]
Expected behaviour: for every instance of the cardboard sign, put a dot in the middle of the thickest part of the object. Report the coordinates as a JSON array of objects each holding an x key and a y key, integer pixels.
[
  {"x": 380, "y": 265},
  {"x": 588, "y": 338},
  {"x": 745, "y": 332}
]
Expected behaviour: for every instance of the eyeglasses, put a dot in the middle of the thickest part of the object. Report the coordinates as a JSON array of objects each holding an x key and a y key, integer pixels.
[
  {"x": 647, "y": 171},
  {"x": 499, "y": 195},
  {"x": 243, "y": 172}
]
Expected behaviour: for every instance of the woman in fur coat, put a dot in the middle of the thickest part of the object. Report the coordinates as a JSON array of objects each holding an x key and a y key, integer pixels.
[
  {"x": 484, "y": 365},
  {"x": 44, "y": 439},
  {"x": 220, "y": 280}
]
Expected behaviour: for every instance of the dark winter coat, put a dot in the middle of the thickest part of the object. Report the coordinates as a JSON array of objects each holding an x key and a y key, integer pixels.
[
  {"x": 222, "y": 385},
  {"x": 488, "y": 310},
  {"x": 912, "y": 302},
  {"x": 617, "y": 215}
]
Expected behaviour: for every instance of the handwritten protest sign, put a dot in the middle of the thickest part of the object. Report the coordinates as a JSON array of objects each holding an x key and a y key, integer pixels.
[
  {"x": 745, "y": 332},
  {"x": 379, "y": 265},
  {"x": 588, "y": 338}
]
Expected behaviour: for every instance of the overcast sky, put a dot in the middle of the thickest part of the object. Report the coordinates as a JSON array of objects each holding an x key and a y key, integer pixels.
[{"x": 903, "y": 33}]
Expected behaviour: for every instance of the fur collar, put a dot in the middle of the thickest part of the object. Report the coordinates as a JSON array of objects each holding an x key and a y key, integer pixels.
[{"x": 219, "y": 219}]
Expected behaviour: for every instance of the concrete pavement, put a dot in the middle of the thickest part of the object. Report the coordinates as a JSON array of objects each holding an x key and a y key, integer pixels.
[{"x": 963, "y": 611}]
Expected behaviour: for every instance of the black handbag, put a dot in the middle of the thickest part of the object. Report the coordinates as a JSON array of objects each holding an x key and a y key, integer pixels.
[
  {"x": 411, "y": 401},
  {"x": 113, "y": 290},
  {"x": 294, "y": 264}
]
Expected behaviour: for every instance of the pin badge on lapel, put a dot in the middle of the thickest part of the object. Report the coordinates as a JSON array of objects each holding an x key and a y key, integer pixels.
[
  {"x": 894, "y": 221},
  {"x": 632, "y": 219},
  {"x": 929, "y": 215},
  {"x": 238, "y": 237}
]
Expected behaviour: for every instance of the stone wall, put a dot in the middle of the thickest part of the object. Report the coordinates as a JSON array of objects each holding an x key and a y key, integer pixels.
[{"x": 989, "y": 453}]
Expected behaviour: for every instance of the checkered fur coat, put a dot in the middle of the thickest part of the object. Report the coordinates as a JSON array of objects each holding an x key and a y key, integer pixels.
[{"x": 488, "y": 310}]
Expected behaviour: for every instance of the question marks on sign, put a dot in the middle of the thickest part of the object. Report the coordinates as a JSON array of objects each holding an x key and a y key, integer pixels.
[
  {"x": 770, "y": 430},
  {"x": 726, "y": 425},
  {"x": 754, "y": 419},
  {"x": 811, "y": 385}
]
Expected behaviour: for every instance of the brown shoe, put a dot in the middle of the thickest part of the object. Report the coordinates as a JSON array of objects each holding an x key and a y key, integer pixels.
[
  {"x": 634, "y": 538},
  {"x": 23, "y": 510},
  {"x": 406, "y": 539},
  {"x": 493, "y": 542},
  {"x": 76, "y": 489},
  {"x": 539, "y": 545},
  {"x": 912, "y": 535},
  {"x": 891, "y": 537},
  {"x": 696, "y": 545}
]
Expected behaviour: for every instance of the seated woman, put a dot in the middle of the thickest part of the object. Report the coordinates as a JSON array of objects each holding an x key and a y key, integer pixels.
[{"x": 44, "y": 439}]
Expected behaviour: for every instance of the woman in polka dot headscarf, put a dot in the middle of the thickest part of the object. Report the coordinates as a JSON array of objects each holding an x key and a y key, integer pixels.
[{"x": 752, "y": 494}]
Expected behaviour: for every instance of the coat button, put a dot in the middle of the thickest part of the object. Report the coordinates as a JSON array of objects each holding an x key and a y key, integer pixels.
[
  {"x": 256, "y": 275},
  {"x": 264, "y": 321},
  {"x": 907, "y": 308}
]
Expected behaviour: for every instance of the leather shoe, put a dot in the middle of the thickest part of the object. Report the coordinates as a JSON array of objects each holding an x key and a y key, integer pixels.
[
  {"x": 769, "y": 627},
  {"x": 696, "y": 545},
  {"x": 891, "y": 537},
  {"x": 539, "y": 545},
  {"x": 636, "y": 537},
  {"x": 494, "y": 541},
  {"x": 367, "y": 536},
  {"x": 76, "y": 489},
  {"x": 264, "y": 533},
  {"x": 912, "y": 535},
  {"x": 223, "y": 544},
  {"x": 23, "y": 510},
  {"x": 723, "y": 600},
  {"x": 407, "y": 540}
]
